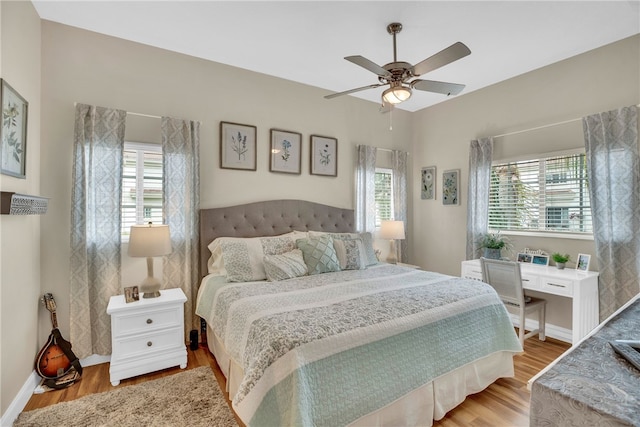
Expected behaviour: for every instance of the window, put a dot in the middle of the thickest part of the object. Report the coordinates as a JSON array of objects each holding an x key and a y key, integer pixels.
[
  {"x": 141, "y": 185},
  {"x": 384, "y": 195},
  {"x": 541, "y": 195}
]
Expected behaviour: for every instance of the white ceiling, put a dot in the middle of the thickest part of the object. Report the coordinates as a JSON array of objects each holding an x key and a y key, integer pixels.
[{"x": 306, "y": 41}]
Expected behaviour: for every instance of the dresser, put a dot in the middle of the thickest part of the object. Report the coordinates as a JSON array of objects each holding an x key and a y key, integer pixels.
[
  {"x": 580, "y": 286},
  {"x": 147, "y": 335}
]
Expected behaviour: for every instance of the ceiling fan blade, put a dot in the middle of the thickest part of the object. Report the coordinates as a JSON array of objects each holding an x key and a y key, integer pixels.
[
  {"x": 437, "y": 87},
  {"x": 346, "y": 92},
  {"x": 446, "y": 56},
  {"x": 369, "y": 65}
]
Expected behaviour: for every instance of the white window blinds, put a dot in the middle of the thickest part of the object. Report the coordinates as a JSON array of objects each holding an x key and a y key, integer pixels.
[
  {"x": 541, "y": 195},
  {"x": 141, "y": 186},
  {"x": 383, "y": 195}
]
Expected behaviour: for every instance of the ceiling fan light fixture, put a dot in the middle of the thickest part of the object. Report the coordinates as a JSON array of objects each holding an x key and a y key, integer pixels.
[{"x": 396, "y": 94}]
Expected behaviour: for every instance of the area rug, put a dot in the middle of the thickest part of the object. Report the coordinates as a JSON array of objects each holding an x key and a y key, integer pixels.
[{"x": 189, "y": 398}]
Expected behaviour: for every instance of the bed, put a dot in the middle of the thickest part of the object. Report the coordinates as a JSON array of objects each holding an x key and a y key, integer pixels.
[{"x": 363, "y": 343}]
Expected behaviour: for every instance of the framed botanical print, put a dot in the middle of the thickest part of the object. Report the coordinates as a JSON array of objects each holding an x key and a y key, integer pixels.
[
  {"x": 286, "y": 151},
  {"x": 451, "y": 187},
  {"x": 428, "y": 183},
  {"x": 237, "y": 146},
  {"x": 324, "y": 155},
  {"x": 13, "y": 134}
]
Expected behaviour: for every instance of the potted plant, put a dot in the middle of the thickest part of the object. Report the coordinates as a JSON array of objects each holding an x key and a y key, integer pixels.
[
  {"x": 560, "y": 259},
  {"x": 493, "y": 243}
]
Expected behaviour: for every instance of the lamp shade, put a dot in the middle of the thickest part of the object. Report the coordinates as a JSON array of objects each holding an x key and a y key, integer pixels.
[
  {"x": 149, "y": 240},
  {"x": 392, "y": 230}
]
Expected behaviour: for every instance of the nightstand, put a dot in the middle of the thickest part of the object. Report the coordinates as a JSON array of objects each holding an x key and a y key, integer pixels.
[{"x": 146, "y": 335}]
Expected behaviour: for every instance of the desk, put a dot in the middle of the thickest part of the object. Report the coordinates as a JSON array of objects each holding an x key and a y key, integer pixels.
[
  {"x": 580, "y": 286},
  {"x": 590, "y": 384}
]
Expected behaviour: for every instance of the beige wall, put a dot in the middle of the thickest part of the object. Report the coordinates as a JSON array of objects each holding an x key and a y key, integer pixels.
[
  {"x": 20, "y": 235},
  {"x": 81, "y": 66},
  {"x": 600, "y": 80}
]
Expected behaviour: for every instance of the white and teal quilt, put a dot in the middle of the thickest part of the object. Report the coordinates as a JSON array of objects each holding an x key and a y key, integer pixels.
[{"x": 324, "y": 350}]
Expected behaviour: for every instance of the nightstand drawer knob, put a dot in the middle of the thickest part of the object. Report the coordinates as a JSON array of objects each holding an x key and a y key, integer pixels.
[
  {"x": 149, "y": 343},
  {"x": 149, "y": 321}
]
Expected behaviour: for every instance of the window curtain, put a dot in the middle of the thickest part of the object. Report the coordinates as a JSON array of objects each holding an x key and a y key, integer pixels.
[
  {"x": 399, "y": 185},
  {"x": 365, "y": 211},
  {"x": 181, "y": 203},
  {"x": 95, "y": 226},
  {"x": 480, "y": 156},
  {"x": 611, "y": 141}
]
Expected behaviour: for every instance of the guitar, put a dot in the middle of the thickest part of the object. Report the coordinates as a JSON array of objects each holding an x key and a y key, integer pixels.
[{"x": 52, "y": 362}]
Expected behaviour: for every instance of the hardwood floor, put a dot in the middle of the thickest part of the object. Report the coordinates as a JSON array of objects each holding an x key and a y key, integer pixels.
[{"x": 504, "y": 403}]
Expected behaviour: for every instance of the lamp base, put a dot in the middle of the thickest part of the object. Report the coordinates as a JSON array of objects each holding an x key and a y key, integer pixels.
[
  {"x": 392, "y": 258},
  {"x": 154, "y": 294},
  {"x": 150, "y": 287}
]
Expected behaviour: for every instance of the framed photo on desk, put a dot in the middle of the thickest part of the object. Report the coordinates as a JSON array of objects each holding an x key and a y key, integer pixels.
[
  {"x": 540, "y": 259},
  {"x": 583, "y": 262}
]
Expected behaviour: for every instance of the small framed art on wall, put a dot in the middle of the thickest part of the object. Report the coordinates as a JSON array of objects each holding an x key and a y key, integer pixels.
[
  {"x": 237, "y": 146},
  {"x": 451, "y": 187},
  {"x": 324, "y": 155}
]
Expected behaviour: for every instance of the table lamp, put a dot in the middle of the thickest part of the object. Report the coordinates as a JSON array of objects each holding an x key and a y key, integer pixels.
[
  {"x": 392, "y": 231},
  {"x": 149, "y": 241}
]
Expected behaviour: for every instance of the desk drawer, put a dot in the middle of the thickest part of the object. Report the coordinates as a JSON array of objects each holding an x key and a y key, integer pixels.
[
  {"x": 557, "y": 286},
  {"x": 530, "y": 282}
]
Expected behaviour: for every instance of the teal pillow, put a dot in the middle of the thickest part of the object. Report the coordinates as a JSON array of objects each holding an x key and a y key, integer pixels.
[{"x": 319, "y": 254}]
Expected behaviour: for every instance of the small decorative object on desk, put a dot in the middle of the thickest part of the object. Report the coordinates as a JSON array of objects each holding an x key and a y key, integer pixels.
[
  {"x": 583, "y": 262},
  {"x": 560, "y": 259},
  {"x": 492, "y": 244}
]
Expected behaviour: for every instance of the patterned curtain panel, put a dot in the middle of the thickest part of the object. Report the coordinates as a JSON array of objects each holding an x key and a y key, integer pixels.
[
  {"x": 611, "y": 141},
  {"x": 365, "y": 211},
  {"x": 95, "y": 225},
  {"x": 399, "y": 168},
  {"x": 480, "y": 156},
  {"x": 181, "y": 193}
]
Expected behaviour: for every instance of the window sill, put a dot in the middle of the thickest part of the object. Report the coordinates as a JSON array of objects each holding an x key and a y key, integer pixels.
[{"x": 549, "y": 234}]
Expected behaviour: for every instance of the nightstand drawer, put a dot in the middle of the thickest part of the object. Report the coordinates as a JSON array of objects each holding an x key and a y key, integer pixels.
[
  {"x": 150, "y": 320},
  {"x": 557, "y": 286},
  {"x": 136, "y": 346}
]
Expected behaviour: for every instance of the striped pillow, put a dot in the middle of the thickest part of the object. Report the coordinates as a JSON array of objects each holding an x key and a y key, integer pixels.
[{"x": 285, "y": 266}]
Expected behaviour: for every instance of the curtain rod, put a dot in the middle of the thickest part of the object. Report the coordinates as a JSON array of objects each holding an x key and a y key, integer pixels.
[
  {"x": 390, "y": 150},
  {"x": 134, "y": 114},
  {"x": 541, "y": 127}
]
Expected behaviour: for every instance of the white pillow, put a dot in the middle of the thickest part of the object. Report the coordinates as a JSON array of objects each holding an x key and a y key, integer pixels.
[
  {"x": 285, "y": 266},
  {"x": 241, "y": 259}
]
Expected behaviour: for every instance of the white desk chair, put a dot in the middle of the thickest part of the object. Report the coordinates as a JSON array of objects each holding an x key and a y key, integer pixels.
[{"x": 504, "y": 277}]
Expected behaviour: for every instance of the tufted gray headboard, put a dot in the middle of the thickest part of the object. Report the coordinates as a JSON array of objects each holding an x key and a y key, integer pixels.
[{"x": 269, "y": 218}]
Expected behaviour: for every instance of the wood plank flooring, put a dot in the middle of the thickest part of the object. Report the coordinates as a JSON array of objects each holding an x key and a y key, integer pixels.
[{"x": 504, "y": 403}]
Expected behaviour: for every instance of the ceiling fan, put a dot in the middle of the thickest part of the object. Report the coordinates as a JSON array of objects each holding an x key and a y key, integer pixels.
[{"x": 398, "y": 74}]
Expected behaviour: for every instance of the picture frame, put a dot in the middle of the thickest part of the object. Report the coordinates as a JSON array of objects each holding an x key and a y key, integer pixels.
[
  {"x": 324, "y": 155},
  {"x": 428, "y": 183},
  {"x": 524, "y": 257},
  {"x": 540, "y": 259},
  {"x": 583, "y": 262},
  {"x": 285, "y": 152},
  {"x": 451, "y": 187},
  {"x": 13, "y": 133},
  {"x": 237, "y": 146},
  {"x": 131, "y": 294}
]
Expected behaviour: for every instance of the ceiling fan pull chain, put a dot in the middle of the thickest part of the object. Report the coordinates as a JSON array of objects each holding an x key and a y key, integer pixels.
[{"x": 390, "y": 120}]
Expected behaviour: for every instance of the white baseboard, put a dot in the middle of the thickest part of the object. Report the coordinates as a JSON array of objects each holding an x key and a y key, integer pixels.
[
  {"x": 20, "y": 401},
  {"x": 551, "y": 330},
  {"x": 32, "y": 383}
]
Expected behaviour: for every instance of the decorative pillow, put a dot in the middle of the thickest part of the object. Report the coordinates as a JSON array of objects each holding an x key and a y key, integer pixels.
[
  {"x": 319, "y": 254},
  {"x": 367, "y": 241},
  {"x": 285, "y": 266},
  {"x": 241, "y": 259},
  {"x": 351, "y": 254}
]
